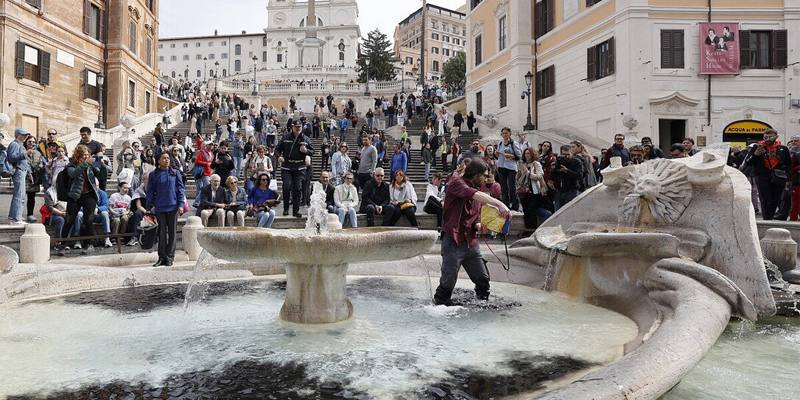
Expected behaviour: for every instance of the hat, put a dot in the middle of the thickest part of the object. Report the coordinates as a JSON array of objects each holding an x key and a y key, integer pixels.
[
  {"x": 21, "y": 132},
  {"x": 297, "y": 123}
]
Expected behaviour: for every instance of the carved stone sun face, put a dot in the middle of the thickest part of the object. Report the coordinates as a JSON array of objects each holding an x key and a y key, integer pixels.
[{"x": 662, "y": 186}]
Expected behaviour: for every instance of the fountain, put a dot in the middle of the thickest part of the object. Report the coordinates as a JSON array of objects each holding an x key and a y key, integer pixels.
[{"x": 316, "y": 258}]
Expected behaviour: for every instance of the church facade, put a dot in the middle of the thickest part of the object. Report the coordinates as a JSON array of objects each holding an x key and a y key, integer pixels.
[{"x": 324, "y": 47}]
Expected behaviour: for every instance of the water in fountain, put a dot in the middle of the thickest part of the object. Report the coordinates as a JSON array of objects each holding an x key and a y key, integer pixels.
[
  {"x": 232, "y": 344},
  {"x": 317, "y": 220},
  {"x": 198, "y": 285}
]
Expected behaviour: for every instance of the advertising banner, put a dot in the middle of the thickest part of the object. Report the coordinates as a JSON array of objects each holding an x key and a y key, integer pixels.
[{"x": 719, "y": 48}]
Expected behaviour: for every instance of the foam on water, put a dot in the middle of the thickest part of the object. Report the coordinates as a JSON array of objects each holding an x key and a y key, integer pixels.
[{"x": 396, "y": 343}]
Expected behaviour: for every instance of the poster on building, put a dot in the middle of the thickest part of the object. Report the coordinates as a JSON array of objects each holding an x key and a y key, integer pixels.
[{"x": 719, "y": 48}]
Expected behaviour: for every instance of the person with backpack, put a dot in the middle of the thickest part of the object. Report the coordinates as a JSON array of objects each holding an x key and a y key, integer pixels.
[
  {"x": 82, "y": 193},
  {"x": 17, "y": 164}
]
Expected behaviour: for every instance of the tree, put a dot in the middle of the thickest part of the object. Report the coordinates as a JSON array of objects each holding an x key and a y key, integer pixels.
[
  {"x": 377, "y": 48},
  {"x": 454, "y": 72}
]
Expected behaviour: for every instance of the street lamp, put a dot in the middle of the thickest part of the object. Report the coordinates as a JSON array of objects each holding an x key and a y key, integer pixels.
[
  {"x": 204, "y": 68},
  {"x": 402, "y": 77},
  {"x": 527, "y": 94},
  {"x": 286, "y": 58},
  {"x": 100, "y": 81},
  {"x": 366, "y": 62},
  {"x": 216, "y": 75},
  {"x": 255, "y": 84}
]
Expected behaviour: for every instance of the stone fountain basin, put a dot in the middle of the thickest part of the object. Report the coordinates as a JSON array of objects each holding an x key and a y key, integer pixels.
[{"x": 296, "y": 246}]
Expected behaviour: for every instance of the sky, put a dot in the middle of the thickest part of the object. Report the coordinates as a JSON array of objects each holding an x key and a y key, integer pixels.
[{"x": 180, "y": 18}]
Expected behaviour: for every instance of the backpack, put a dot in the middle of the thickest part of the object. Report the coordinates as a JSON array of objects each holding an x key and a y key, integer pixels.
[
  {"x": 6, "y": 169},
  {"x": 63, "y": 186}
]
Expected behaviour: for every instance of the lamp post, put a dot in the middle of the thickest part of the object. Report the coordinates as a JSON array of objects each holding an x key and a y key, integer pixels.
[
  {"x": 527, "y": 94},
  {"x": 366, "y": 62},
  {"x": 205, "y": 65},
  {"x": 100, "y": 81},
  {"x": 255, "y": 84},
  {"x": 402, "y": 77},
  {"x": 216, "y": 75},
  {"x": 341, "y": 49},
  {"x": 286, "y": 58}
]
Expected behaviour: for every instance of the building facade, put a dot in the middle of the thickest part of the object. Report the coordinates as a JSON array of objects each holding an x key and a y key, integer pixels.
[
  {"x": 445, "y": 36},
  {"x": 500, "y": 54},
  {"x": 54, "y": 53},
  {"x": 617, "y": 66},
  {"x": 288, "y": 47}
]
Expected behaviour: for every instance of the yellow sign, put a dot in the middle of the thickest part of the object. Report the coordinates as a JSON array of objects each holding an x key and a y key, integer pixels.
[{"x": 745, "y": 131}]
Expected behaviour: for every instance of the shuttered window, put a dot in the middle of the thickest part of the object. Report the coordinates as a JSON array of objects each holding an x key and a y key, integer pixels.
[
  {"x": 545, "y": 16},
  {"x": 546, "y": 82},
  {"x": 503, "y": 90},
  {"x": 478, "y": 50},
  {"x": 600, "y": 60},
  {"x": 90, "y": 87},
  {"x": 93, "y": 23},
  {"x": 479, "y": 103},
  {"x": 32, "y": 64},
  {"x": 672, "y": 48},
  {"x": 763, "y": 49},
  {"x": 35, "y": 3},
  {"x": 132, "y": 40},
  {"x": 590, "y": 3}
]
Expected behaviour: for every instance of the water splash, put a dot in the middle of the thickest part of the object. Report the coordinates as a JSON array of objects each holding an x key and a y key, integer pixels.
[
  {"x": 317, "y": 220},
  {"x": 427, "y": 271},
  {"x": 774, "y": 275},
  {"x": 198, "y": 285}
]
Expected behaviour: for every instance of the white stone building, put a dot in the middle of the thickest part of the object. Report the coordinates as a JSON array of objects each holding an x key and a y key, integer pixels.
[{"x": 289, "y": 47}]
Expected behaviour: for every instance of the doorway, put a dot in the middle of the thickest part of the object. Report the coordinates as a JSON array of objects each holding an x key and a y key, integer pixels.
[
  {"x": 31, "y": 124},
  {"x": 670, "y": 131}
]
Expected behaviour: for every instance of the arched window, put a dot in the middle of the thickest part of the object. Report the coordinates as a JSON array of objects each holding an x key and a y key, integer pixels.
[
  {"x": 237, "y": 50},
  {"x": 199, "y": 74},
  {"x": 237, "y": 66},
  {"x": 173, "y": 74},
  {"x": 224, "y": 72},
  {"x": 264, "y": 41},
  {"x": 341, "y": 56},
  {"x": 186, "y": 73},
  {"x": 264, "y": 56}
]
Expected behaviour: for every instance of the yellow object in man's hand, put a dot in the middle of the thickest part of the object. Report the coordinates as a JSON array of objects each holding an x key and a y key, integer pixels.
[{"x": 494, "y": 221}]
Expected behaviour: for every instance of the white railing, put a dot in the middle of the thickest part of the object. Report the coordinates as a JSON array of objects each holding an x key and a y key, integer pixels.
[
  {"x": 143, "y": 125},
  {"x": 317, "y": 88}
]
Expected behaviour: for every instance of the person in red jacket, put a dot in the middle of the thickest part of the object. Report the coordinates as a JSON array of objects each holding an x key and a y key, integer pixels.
[{"x": 203, "y": 160}]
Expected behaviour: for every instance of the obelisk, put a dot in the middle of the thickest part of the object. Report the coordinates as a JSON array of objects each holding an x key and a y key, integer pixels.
[{"x": 311, "y": 47}]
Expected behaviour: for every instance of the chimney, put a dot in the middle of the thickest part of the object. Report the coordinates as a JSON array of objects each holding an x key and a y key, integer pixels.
[{"x": 216, "y": 32}]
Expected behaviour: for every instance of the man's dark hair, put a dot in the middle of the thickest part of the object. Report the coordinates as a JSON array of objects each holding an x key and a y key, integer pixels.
[
  {"x": 678, "y": 147},
  {"x": 564, "y": 147},
  {"x": 474, "y": 168},
  {"x": 86, "y": 129},
  {"x": 506, "y": 129},
  {"x": 119, "y": 185},
  {"x": 647, "y": 139},
  {"x": 619, "y": 135}
]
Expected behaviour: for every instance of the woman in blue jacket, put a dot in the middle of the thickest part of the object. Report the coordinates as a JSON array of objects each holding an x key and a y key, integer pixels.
[{"x": 165, "y": 194}]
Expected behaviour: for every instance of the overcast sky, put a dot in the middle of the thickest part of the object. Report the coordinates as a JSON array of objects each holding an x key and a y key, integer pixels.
[{"x": 201, "y": 17}]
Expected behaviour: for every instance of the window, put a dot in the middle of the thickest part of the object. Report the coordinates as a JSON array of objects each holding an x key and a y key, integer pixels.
[
  {"x": 446, "y": 38},
  {"x": 199, "y": 74},
  {"x": 435, "y": 50},
  {"x": 503, "y": 90},
  {"x": 479, "y": 103},
  {"x": 224, "y": 72},
  {"x": 172, "y": 46},
  {"x": 132, "y": 37},
  {"x": 590, "y": 3},
  {"x": 90, "y": 89},
  {"x": 763, "y": 49},
  {"x": 186, "y": 57},
  {"x": 34, "y": 3},
  {"x": 478, "y": 50},
  {"x": 237, "y": 50},
  {"x": 264, "y": 56},
  {"x": 223, "y": 55},
  {"x": 173, "y": 58},
  {"x": 161, "y": 58},
  {"x": 237, "y": 65},
  {"x": 546, "y": 83},
  {"x": 474, "y": 3},
  {"x": 264, "y": 41},
  {"x": 457, "y": 41},
  {"x": 600, "y": 60},
  {"x": 341, "y": 56},
  {"x": 409, "y": 60},
  {"x": 224, "y": 42},
  {"x": 148, "y": 51},
  {"x": 147, "y": 102},
  {"x": 92, "y": 20},
  {"x": 435, "y": 36},
  {"x": 545, "y": 17},
  {"x": 672, "y": 48},
  {"x": 186, "y": 45},
  {"x": 160, "y": 46},
  {"x": 501, "y": 34},
  {"x": 173, "y": 74},
  {"x": 150, "y": 5},
  {"x": 210, "y": 44},
  {"x": 198, "y": 57},
  {"x": 197, "y": 44},
  {"x": 435, "y": 66},
  {"x": 32, "y": 64},
  {"x": 131, "y": 94},
  {"x": 446, "y": 52},
  {"x": 279, "y": 58},
  {"x": 212, "y": 56}
]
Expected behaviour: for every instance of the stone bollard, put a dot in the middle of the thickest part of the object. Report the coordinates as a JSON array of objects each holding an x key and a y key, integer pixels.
[
  {"x": 34, "y": 245},
  {"x": 190, "y": 244},
  {"x": 778, "y": 247},
  {"x": 333, "y": 222}
]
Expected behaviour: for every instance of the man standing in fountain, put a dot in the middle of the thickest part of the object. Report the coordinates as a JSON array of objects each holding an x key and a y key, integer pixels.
[
  {"x": 460, "y": 227},
  {"x": 292, "y": 151}
]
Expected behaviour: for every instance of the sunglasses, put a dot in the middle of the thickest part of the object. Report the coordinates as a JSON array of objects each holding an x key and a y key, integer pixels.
[
  {"x": 263, "y": 179},
  {"x": 379, "y": 176}
]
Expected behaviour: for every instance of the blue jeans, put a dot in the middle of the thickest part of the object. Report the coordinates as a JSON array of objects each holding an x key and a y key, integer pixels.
[
  {"x": 101, "y": 217},
  {"x": 237, "y": 165},
  {"x": 18, "y": 198},
  {"x": 343, "y": 135},
  {"x": 265, "y": 218},
  {"x": 342, "y": 212},
  {"x": 57, "y": 223},
  {"x": 200, "y": 183}
]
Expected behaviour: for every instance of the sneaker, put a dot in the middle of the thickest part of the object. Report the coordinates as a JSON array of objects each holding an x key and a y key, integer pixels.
[
  {"x": 77, "y": 246},
  {"x": 108, "y": 243},
  {"x": 132, "y": 242},
  {"x": 15, "y": 222},
  {"x": 285, "y": 212},
  {"x": 88, "y": 250}
]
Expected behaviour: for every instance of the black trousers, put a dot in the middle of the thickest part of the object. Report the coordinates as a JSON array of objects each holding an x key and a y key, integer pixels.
[
  {"x": 293, "y": 184},
  {"x": 362, "y": 179},
  {"x": 88, "y": 202},
  {"x": 508, "y": 182},
  {"x": 770, "y": 196},
  {"x": 409, "y": 213},
  {"x": 167, "y": 221}
]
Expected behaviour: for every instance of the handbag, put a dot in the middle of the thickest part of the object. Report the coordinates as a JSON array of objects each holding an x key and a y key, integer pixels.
[
  {"x": 406, "y": 205},
  {"x": 148, "y": 223},
  {"x": 197, "y": 171},
  {"x": 523, "y": 182},
  {"x": 778, "y": 177}
]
